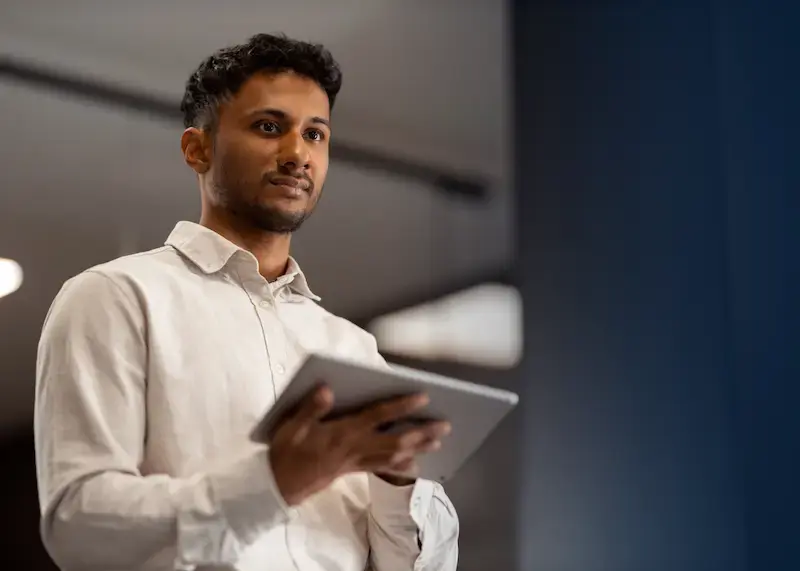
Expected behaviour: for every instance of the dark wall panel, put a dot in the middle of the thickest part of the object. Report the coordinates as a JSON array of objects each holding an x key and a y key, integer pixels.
[{"x": 632, "y": 451}]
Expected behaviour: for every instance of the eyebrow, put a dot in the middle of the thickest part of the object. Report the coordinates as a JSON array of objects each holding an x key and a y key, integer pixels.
[{"x": 283, "y": 115}]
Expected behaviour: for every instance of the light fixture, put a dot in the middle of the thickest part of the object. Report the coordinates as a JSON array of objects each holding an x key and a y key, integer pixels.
[
  {"x": 480, "y": 326},
  {"x": 10, "y": 276}
]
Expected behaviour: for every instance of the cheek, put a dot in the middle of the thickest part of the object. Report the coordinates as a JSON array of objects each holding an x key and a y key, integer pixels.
[
  {"x": 320, "y": 170},
  {"x": 243, "y": 163}
]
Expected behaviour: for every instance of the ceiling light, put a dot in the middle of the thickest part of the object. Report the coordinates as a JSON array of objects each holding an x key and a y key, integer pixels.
[
  {"x": 10, "y": 276},
  {"x": 480, "y": 326}
]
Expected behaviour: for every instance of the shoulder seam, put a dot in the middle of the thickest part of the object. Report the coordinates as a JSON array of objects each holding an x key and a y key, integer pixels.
[
  {"x": 111, "y": 280},
  {"x": 151, "y": 252}
]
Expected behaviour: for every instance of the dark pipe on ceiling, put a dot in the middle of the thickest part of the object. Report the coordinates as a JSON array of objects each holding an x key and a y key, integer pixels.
[{"x": 450, "y": 183}]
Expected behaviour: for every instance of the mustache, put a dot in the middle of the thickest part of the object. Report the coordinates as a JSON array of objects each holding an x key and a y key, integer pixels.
[{"x": 298, "y": 175}]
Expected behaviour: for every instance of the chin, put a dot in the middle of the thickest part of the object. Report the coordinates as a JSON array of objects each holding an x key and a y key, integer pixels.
[{"x": 282, "y": 221}]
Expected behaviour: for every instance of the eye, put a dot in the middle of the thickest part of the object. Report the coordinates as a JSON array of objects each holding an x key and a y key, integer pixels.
[
  {"x": 269, "y": 127},
  {"x": 315, "y": 135}
]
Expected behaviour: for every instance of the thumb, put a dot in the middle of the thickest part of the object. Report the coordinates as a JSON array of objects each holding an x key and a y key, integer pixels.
[{"x": 314, "y": 406}]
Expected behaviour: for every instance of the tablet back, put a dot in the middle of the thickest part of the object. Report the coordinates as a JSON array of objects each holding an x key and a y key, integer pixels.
[{"x": 473, "y": 410}]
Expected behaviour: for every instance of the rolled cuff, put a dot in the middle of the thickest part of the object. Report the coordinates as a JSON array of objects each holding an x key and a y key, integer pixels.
[{"x": 400, "y": 505}]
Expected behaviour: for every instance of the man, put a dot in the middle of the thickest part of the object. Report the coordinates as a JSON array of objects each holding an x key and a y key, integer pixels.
[{"x": 153, "y": 368}]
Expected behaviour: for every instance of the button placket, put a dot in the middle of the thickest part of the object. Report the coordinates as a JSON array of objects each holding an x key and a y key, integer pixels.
[{"x": 275, "y": 337}]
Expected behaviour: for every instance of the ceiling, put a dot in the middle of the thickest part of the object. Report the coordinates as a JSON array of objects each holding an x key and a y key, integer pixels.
[
  {"x": 421, "y": 78},
  {"x": 83, "y": 182}
]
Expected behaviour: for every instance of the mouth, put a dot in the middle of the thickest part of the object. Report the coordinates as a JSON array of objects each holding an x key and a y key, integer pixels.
[{"x": 290, "y": 184}]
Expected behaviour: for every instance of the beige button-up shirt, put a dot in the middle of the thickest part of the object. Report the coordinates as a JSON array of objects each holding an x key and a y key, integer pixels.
[{"x": 152, "y": 370}]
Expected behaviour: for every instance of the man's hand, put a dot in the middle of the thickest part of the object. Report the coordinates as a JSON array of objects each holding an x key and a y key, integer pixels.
[{"x": 307, "y": 453}]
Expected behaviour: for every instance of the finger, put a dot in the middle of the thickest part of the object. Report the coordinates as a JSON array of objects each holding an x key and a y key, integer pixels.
[
  {"x": 435, "y": 429},
  {"x": 385, "y": 461},
  {"x": 422, "y": 436},
  {"x": 429, "y": 446},
  {"x": 407, "y": 468},
  {"x": 393, "y": 409},
  {"x": 416, "y": 435},
  {"x": 395, "y": 447},
  {"x": 314, "y": 406},
  {"x": 423, "y": 444},
  {"x": 398, "y": 460}
]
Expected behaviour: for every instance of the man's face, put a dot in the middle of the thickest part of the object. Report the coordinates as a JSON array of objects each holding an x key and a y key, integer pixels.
[{"x": 270, "y": 151}]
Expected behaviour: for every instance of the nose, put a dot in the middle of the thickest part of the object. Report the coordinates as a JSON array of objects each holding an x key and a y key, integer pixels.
[{"x": 294, "y": 154}]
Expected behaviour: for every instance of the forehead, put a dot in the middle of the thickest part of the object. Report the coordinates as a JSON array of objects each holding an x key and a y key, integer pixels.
[{"x": 297, "y": 96}]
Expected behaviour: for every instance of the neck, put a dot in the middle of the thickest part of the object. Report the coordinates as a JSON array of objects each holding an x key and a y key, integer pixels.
[{"x": 270, "y": 249}]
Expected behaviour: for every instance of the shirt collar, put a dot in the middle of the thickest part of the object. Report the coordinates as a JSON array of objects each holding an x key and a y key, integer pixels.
[
  {"x": 296, "y": 280},
  {"x": 211, "y": 252}
]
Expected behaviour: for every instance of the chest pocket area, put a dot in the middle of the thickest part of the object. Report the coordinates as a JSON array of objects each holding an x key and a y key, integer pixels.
[{"x": 309, "y": 329}]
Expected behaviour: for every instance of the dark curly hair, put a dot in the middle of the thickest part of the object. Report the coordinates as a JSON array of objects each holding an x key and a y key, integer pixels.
[{"x": 223, "y": 73}]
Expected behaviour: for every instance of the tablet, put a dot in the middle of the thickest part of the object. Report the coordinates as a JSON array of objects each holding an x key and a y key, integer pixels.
[{"x": 473, "y": 410}]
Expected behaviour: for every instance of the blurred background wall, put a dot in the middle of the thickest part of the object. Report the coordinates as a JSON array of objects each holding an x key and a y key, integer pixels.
[
  {"x": 657, "y": 169},
  {"x": 648, "y": 215}
]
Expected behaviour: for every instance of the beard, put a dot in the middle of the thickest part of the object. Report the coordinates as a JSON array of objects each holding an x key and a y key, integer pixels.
[
  {"x": 268, "y": 218},
  {"x": 240, "y": 199}
]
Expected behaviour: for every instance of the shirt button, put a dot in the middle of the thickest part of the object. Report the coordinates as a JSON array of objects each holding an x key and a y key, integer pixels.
[
  {"x": 266, "y": 303},
  {"x": 280, "y": 369}
]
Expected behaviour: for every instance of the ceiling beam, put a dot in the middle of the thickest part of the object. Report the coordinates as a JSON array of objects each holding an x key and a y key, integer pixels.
[{"x": 449, "y": 182}]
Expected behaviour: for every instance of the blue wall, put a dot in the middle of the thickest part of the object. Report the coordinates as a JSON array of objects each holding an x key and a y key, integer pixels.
[
  {"x": 657, "y": 151},
  {"x": 758, "y": 63}
]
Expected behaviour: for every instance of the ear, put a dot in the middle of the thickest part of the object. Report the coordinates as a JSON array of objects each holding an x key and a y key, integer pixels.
[{"x": 196, "y": 148}]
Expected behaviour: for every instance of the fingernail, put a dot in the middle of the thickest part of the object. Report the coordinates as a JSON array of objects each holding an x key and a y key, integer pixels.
[{"x": 324, "y": 393}]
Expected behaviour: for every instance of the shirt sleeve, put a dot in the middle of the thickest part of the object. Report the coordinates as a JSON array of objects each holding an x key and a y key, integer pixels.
[
  {"x": 410, "y": 528},
  {"x": 98, "y": 510}
]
